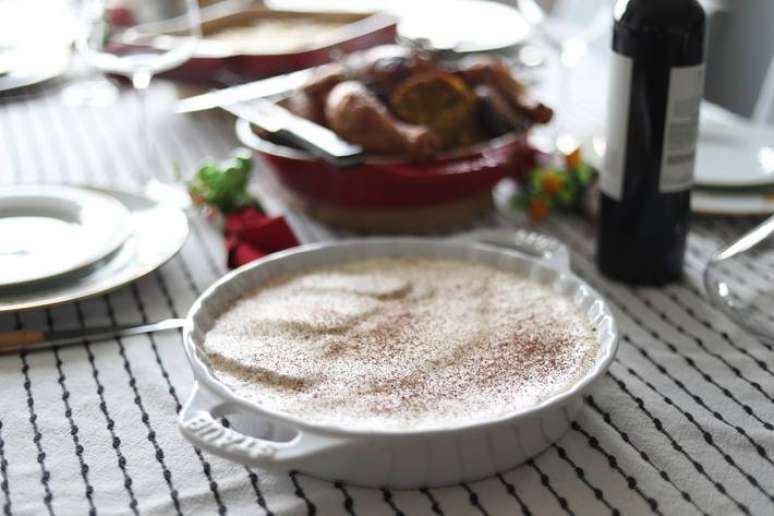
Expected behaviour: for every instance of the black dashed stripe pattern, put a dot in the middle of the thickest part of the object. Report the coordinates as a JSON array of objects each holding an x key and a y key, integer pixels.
[
  {"x": 145, "y": 417},
  {"x": 4, "y": 485},
  {"x": 299, "y": 492},
  {"x": 715, "y": 425},
  {"x": 581, "y": 474},
  {"x": 434, "y": 505},
  {"x": 546, "y": 481},
  {"x": 658, "y": 424},
  {"x": 612, "y": 461},
  {"x": 387, "y": 497},
  {"x": 473, "y": 498},
  {"x": 37, "y": 437},
  {"x": 642, "y": 454},
  {"x": 74, "y": 431},
  {"x": 349, "y": 503},
  {"x": 705, "y": 434},
  {"x": 706, "y": 377},
  {"x": 253, "y": 477},
  {"x": 511, "y": 490},
  {"x": 690, "y": 361},
  {"x": 109, "y": 422}
]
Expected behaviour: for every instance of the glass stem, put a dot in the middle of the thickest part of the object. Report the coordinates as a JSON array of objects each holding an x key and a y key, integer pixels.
[{"x": 141, "y": 80}]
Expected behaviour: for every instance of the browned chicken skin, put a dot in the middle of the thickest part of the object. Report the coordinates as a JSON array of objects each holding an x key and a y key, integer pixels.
[
  {"x": 357, "y": 115},
  {"x": 391, "y": 101},
  {"x": 491, "y": 72}
]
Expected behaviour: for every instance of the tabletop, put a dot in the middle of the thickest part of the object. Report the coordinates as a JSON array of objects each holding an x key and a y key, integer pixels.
[{"x": 681, "y": 424}]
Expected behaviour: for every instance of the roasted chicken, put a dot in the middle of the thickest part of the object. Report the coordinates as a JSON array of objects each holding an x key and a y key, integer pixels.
[
  {"x": 392, "y": 101},
  {"x": 358, "y": 116}
]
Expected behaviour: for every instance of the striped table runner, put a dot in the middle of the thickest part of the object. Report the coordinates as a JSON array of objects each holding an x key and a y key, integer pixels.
[{"x": 682, "y": 424}]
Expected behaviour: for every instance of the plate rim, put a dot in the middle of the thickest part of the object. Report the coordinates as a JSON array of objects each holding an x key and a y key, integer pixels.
[
  {"x": 56, "y": 68},
  {"x": 78, "y": 196},
  {"x": 760, "y": 134},
  {"x": 109, "y": 287}
]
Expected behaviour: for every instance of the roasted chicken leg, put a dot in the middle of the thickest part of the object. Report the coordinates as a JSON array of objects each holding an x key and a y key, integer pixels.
[{"x": 358, "y": 116}]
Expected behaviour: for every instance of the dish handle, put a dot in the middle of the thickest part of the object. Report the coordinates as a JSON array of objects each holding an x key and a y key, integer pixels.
[{"x": 199, "y": 424}]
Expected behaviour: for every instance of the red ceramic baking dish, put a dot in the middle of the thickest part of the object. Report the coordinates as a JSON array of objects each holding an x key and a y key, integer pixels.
[
  {"x": 451, "y": 186},
  {"x": 219, "y": 61}
]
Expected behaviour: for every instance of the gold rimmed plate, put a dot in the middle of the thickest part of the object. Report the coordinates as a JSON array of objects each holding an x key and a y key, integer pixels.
[{"x": 158, "y": 233}]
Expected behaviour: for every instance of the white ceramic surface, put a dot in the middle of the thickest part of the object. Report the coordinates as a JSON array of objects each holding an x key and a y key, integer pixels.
[
  {"x": 51, "y": 230},
  {"x": 734, "y": 155},
  {"x": 398, "y": 459},
  {"x": 158, "y": 233},
  {"x": 740, "y": 204},
  {"x": 34, "y": 67}
]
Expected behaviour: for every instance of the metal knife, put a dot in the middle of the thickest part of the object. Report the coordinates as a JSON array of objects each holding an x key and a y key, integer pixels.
[
  {"x": 316, "y": 139},
  {"x": 32, "y": 340},
  {"x": 262, "y": 88}
]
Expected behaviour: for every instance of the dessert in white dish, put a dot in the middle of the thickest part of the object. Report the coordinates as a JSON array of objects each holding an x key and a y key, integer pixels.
[{"x": 401, "y": 344}]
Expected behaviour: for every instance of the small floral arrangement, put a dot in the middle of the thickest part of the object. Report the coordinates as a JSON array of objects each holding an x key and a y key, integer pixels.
[
  {"x": 546, "y": 188},
  {"x": 250, "y": 233}
]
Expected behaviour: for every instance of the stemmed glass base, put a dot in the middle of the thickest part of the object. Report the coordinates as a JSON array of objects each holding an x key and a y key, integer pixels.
[
  {"x": 96, "y": 92},
  {"x": 171, "y": 194}
]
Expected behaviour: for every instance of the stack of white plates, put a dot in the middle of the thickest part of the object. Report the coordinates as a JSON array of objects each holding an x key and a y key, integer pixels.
[
  {"x": 62, "y": 243},
  {"x": 734, "y": 172},
  {"x": 734, "y": 166}
]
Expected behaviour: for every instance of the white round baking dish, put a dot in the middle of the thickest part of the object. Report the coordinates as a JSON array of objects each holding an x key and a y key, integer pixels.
[{"x": 398, "y": 459}]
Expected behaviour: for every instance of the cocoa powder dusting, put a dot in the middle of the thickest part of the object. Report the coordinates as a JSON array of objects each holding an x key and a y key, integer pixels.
[{"x": 401, "y": 344}]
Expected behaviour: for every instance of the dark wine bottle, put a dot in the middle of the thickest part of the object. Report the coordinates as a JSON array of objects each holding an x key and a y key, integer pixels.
[{"x": 656, "y": 84}]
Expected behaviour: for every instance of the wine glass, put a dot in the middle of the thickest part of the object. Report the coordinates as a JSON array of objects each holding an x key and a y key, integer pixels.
[
  {"x": 749, "y": 302},
  {"x": 139, "y": 39},
  {"x": 88, "y": 86}
]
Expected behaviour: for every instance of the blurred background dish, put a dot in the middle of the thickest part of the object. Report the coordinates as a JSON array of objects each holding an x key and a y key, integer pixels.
[
  {"x": 249, "y": 41},
  {"x": 443, "y": 25},
  {"x": 158, "y": 232},
  {"x": 732, "y": 203},
  {"x": 436, "y": 136},
  {"x": 26, "y": 58},
  {"x": 50, "y": 231},
  {"x": 28, "y": 67},
  {"x": 393, "y": 195},
  {"x": 736, "y": 154}
]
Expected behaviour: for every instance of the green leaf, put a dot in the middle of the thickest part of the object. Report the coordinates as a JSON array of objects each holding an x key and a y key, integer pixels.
[{"x": 224, "y": 186}]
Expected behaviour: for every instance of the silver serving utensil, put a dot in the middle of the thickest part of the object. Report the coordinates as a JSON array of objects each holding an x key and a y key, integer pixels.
[
  {"x": 318, "y": 140},
  {"x": 273, "y": 86},
  {"x": 35, "y": 340}
]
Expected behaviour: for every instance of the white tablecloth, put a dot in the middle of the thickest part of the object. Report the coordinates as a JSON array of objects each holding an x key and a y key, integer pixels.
[{"x": 682, "y": 424}]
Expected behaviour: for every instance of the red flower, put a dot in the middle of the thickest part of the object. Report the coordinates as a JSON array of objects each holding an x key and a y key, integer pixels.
[
  {"x": 250, "y": 235},
  {"x": 551, "y": 184},
  {"x": 538, "y": 209}
]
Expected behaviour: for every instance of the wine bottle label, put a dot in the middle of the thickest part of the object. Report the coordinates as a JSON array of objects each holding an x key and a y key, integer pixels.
[
  {"x": 612, "y": 176},
  {"x": 686, "y": 84}
]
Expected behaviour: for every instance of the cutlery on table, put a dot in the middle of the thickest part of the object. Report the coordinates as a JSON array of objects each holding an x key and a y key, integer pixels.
[
  {"x": 273, "y": 86},
  {"x": 316, "y": 139},
  {"x": 34, "y": 340}
]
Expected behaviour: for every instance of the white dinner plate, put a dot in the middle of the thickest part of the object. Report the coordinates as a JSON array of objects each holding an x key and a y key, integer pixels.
[
  {"x": 52, "y": 230},
  {"x": 454, "y": 26},
  {"x": 730, "y": 203},
  {"x": 158, "y": 233},
  {"x": 735, "y": 154},
  {"x": 33, "y": 67},
  {"x": 497, "y": 27},
  {"x": 703, "y": 201}
]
